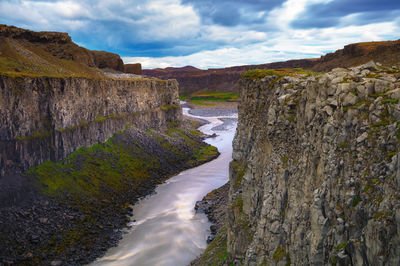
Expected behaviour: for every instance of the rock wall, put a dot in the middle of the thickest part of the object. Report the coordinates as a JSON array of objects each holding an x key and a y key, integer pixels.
[
  {"x": 48, "y": 118},
  {"x": 315, "y": 175}
]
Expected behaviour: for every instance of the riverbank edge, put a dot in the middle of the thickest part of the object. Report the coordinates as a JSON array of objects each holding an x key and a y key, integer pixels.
[
  {"x": 214, "y": 205},
  {"x": 59, "y": 229}
]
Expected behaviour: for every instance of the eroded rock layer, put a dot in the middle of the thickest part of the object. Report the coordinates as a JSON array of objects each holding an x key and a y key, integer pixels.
[
  {"x": 48, "y": 118},
  {"x": 315, "y": 175}
]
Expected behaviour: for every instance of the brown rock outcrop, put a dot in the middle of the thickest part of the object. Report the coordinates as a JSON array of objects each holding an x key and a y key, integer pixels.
[
  {"x": 60, "y": 45},
  {"x": 133, "y": 68}
]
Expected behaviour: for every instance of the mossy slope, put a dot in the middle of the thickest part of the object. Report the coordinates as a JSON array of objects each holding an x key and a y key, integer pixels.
[{"x": 94, "y": 187}]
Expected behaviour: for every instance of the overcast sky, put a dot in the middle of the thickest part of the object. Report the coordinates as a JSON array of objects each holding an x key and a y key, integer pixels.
[{"x": 210, "y": 33}]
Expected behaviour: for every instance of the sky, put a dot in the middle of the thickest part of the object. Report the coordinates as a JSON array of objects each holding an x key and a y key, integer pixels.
[{"x": 210, "y": 33}]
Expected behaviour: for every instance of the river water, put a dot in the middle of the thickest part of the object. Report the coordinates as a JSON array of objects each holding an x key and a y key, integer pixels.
[{"x": 166, "y": 231}]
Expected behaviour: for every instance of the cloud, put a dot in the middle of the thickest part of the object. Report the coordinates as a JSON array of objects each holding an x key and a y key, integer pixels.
[
  {"x": 233, "y": 12},
  {"x": 295, "y": 44},
  {"x": 208, "y": 33},
  {"x": 338, "y": 12}
]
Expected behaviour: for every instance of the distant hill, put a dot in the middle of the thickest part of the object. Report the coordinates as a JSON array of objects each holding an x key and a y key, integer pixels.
[
  {"x": 51, "y": 54},
  {"x": 192, "y": 79}
]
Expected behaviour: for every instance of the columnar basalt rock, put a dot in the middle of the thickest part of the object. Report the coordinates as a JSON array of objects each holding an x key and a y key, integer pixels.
[
  {"x": 315, "y": 176},
  {"x": 48, "y": 118}
]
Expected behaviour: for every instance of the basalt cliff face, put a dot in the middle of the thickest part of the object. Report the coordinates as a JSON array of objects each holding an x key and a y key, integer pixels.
[
  {"x": 48, "y": 118},
  {"x": 315, "y": 176},
  {"x": 225, "y": 79}
]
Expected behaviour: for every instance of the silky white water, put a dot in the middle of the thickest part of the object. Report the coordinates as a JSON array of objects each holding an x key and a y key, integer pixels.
[{"x": 167, "y": 231}]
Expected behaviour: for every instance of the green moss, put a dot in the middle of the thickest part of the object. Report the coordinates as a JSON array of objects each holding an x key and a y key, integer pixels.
[
  {"x": 210, "y": 96},
  {"x": 398, "y": 131},
  {"x": 381, "y": 124},
  {"x": 376, "y": 95},
  {"x": 341, "y": 246},
  {"x": 169, "y": 107},
  {"x": 368, "y": 188},
  {"x": 238, "y": 203},
  {"x": 288, "y": 260},
  {"x": 35, "y": 135},
  {"x": 383, "y": 214},
  {"x": 197, "y": 133},
  {"x": 356, "y": 200},
  {"x": 100, "y": 118},
  {"x": 279, "y": 254},
  {"x": 333, "y": 260},
  {"x": 284, "y": 161},
  {"x": 87, "y": 170},
  {"x": 199, "y": 103},
  {"x": 204, "y": 153},
  {"x": 216, "y": 252},
  {"x": 357, "y": 104},
  {"x": 343, "y": 145},
  {"x": 257, "y": 74},
  {"x": 390, "y": 101},
  {"x": 239, "y": 169}
]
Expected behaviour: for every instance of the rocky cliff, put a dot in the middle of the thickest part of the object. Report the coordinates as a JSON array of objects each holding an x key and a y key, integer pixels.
[
  {"x": 50, "y": 53},
  {"x": 133, "y": 68},
  {"x": 315, "y": 176},
  {"x": 225, "y": 79},
  {"x": 48, "y": 118}
]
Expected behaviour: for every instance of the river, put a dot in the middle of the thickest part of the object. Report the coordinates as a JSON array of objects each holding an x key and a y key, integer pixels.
[{"x": 165, "y": 230}]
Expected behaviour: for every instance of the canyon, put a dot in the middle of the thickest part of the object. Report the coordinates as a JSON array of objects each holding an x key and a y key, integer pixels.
[
  {"x": 78, "y": 147},
  {"x": 194, "y": 80},
  {"x": 315, "y": 171}
]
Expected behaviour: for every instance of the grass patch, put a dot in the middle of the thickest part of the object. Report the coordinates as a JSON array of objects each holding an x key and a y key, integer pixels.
[
  {"x": 204, "y": 153},
  {"x": 35, "y": 135},
  {"x": 356, "y": 105},
  {"x": 239, "y": 168},
  {"x": 356, "y": 200},
  {"x": 86, "y": 171},
  {"x": 381, "y": 124},
  {"x": 279, "y": 254},
  {"x": 390, "y": 101},
  {"x": 169, "y": 107},
  {"x": 33, "y": 61},
  {"x": 284, "y": 161},
  {"x": 216, "y": 252},
  {"x": 258, "y": 74},
  {"x": 209, "y": 98},
  {"x": 238, "y": 203},
  {"x": 341, "y": 246},
  {"x": 376, "y": 95}
]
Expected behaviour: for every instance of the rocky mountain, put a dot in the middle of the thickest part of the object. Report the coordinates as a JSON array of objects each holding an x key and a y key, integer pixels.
[
  {"x": 315, "y": 176},
  {"x": 192, "y": 79},
  {"x": 50, "y": 53}
]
